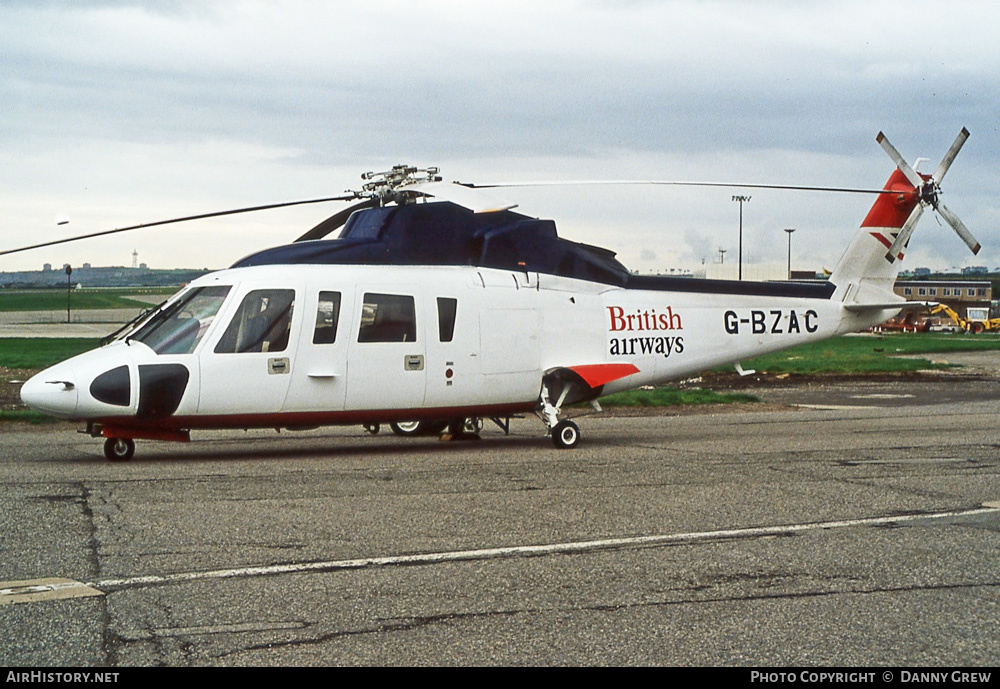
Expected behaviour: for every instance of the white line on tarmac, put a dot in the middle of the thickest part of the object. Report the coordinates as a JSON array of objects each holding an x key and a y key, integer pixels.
[
  {"x": 528, "y": 550},
  {"x": 49, "y": 589}
]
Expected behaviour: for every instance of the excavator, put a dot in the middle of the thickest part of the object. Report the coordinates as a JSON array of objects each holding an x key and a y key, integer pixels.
[{"x": 978, "y": 318}]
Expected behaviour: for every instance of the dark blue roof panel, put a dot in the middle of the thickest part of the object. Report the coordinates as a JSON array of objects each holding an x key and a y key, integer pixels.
[{"x": 443, "y": 234}]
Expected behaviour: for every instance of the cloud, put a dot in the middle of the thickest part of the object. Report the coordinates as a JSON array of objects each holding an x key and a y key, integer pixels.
[{"x": 132, "y": 109}]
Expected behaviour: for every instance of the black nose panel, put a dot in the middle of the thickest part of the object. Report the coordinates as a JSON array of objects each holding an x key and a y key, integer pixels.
[
  {"x": 161, "y": 387},
  {"x": 113, "y": 387}
]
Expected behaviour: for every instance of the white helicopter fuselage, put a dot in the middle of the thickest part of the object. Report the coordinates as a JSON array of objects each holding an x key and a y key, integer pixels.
[
  {"x": 441, "y": 312},
  {"x": 484, "y": 355}
]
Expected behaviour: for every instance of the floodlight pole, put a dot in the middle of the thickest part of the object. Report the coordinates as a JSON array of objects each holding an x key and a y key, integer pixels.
[
  {"x": 789, "y": 230},
  {"x": 69, "y": 271},
  {"x": 741, "y": 200}
]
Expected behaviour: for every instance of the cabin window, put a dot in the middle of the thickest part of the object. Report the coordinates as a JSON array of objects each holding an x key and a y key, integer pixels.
[
  {"x": 327, "y": 318},
  {"x": 261, "y": 324},
  {"x": 179, "y": 327},
  {"x": 447, "y": 308},
  {"x": 387, "y": 318}
]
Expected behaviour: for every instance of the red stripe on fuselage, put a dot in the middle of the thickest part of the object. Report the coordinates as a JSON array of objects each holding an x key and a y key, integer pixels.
[
  {"x": 892, "y": 210},
  {"x": 167, "y": 427}
]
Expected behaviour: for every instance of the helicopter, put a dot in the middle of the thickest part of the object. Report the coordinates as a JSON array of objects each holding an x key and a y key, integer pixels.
[{"x": 438, "y": 306}]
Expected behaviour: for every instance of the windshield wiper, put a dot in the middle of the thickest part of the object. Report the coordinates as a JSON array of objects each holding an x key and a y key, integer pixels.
[{"x": 132, "y": 323}]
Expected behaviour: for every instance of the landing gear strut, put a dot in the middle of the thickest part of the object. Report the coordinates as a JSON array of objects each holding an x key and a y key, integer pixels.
[{"x": 565, "y": 434}]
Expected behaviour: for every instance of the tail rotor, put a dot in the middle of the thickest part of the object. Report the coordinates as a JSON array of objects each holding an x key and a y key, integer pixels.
[{"x": 928, "y": 190}]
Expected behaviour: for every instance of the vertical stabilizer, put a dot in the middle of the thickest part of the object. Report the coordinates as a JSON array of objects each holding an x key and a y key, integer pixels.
[
  {"x": 865, "y": 273},
  {"x": 868, "y": 269}
]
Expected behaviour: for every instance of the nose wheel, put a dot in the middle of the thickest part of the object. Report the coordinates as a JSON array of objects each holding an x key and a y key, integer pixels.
[
  {"x": 119, "y": 449},
  {"x": 565, "y": 435}
]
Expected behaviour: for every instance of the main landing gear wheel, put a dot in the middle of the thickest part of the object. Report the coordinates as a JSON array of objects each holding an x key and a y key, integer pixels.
[
  {"x": 119, "y": 449},
  {"x": 373, "y": 428},
  {"x": 407, "y": 428},
  {"x": 565, "y": 435}
]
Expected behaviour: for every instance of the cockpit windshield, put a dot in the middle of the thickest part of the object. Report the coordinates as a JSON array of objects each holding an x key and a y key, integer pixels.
[{"x": 179, "y": 327}]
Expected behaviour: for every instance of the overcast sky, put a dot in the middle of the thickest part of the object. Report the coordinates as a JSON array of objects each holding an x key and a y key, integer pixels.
[{"x": 116, "y": 113}]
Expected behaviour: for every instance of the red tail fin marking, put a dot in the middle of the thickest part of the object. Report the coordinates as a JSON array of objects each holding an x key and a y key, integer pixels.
[{"x": 892, "y": 210}]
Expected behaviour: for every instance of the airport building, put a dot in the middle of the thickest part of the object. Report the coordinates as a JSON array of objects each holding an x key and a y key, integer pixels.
[{"x": 959, "y": 295}]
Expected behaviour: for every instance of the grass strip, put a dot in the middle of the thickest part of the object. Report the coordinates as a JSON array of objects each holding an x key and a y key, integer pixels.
[
  {"x": 870, "y": 354},
  {"x": 55, "y": 300},
  {"x": 25, "y": 415},
  {"x": 41, "y": 352}
]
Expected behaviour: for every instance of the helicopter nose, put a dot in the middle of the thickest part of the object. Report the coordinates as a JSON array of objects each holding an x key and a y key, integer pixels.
[{"x": 53, "y": 392}]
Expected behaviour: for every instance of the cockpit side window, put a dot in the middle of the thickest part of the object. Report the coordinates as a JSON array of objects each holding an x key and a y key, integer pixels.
[
  {"x": 387, "y": 318},
  {"x": 262, "y": 323},
  {"x": 327, "y": 318},
  {"x": 179, "y": 327}
]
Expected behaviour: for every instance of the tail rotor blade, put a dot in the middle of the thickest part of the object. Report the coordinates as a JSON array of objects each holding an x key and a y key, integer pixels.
[
  {"x": 960, "y": 229},
  {"x": 895, "y": 251},
  {"x": 915, "y": 179},
  {"x": 950, "y": 155}
]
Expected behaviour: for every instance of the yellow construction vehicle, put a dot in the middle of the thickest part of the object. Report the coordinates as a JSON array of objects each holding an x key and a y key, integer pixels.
[{"x": 978, "y": 318}]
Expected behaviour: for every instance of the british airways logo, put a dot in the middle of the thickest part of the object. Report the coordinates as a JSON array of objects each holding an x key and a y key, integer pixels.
[
  {"x": 634, "y": 327},
  {"x": 643, "y": 319}
]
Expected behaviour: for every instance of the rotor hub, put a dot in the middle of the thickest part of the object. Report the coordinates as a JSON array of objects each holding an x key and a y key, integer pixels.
[
  {"x": 388, "y": 186},
  {"x": 928, "y": 193}
]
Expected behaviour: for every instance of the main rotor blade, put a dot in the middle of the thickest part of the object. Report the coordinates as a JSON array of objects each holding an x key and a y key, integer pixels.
[
  {"x": 916, "y": 180},
  {"x": 960, "y": 229},
  {"x": 186, "y": 218},
  {"x": 335, "y": 221},
  {"x": 460, "y": 194},
  {"x": 657, "y": 182},
  {"x": 950, "y": 155},
  {"x": 895, "y": 251}
]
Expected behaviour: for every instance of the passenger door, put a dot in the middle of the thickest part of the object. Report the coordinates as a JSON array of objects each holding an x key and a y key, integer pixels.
[
  {"x": 319, "y": 381},
  {"x": 386, "y": 351}
]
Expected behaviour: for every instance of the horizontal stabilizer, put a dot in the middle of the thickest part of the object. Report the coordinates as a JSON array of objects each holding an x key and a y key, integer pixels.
[{"x": 886, "y": 306}]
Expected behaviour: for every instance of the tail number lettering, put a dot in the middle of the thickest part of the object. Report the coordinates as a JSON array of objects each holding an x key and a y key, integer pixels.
[{"x": 772, "y": 321}]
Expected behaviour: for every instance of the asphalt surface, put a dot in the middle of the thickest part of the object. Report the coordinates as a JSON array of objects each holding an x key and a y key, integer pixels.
[{"x": 849, "y": 532}]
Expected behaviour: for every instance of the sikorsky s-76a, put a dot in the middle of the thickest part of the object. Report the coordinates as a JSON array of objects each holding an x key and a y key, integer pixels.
[{"x": 436, "y": 305}]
